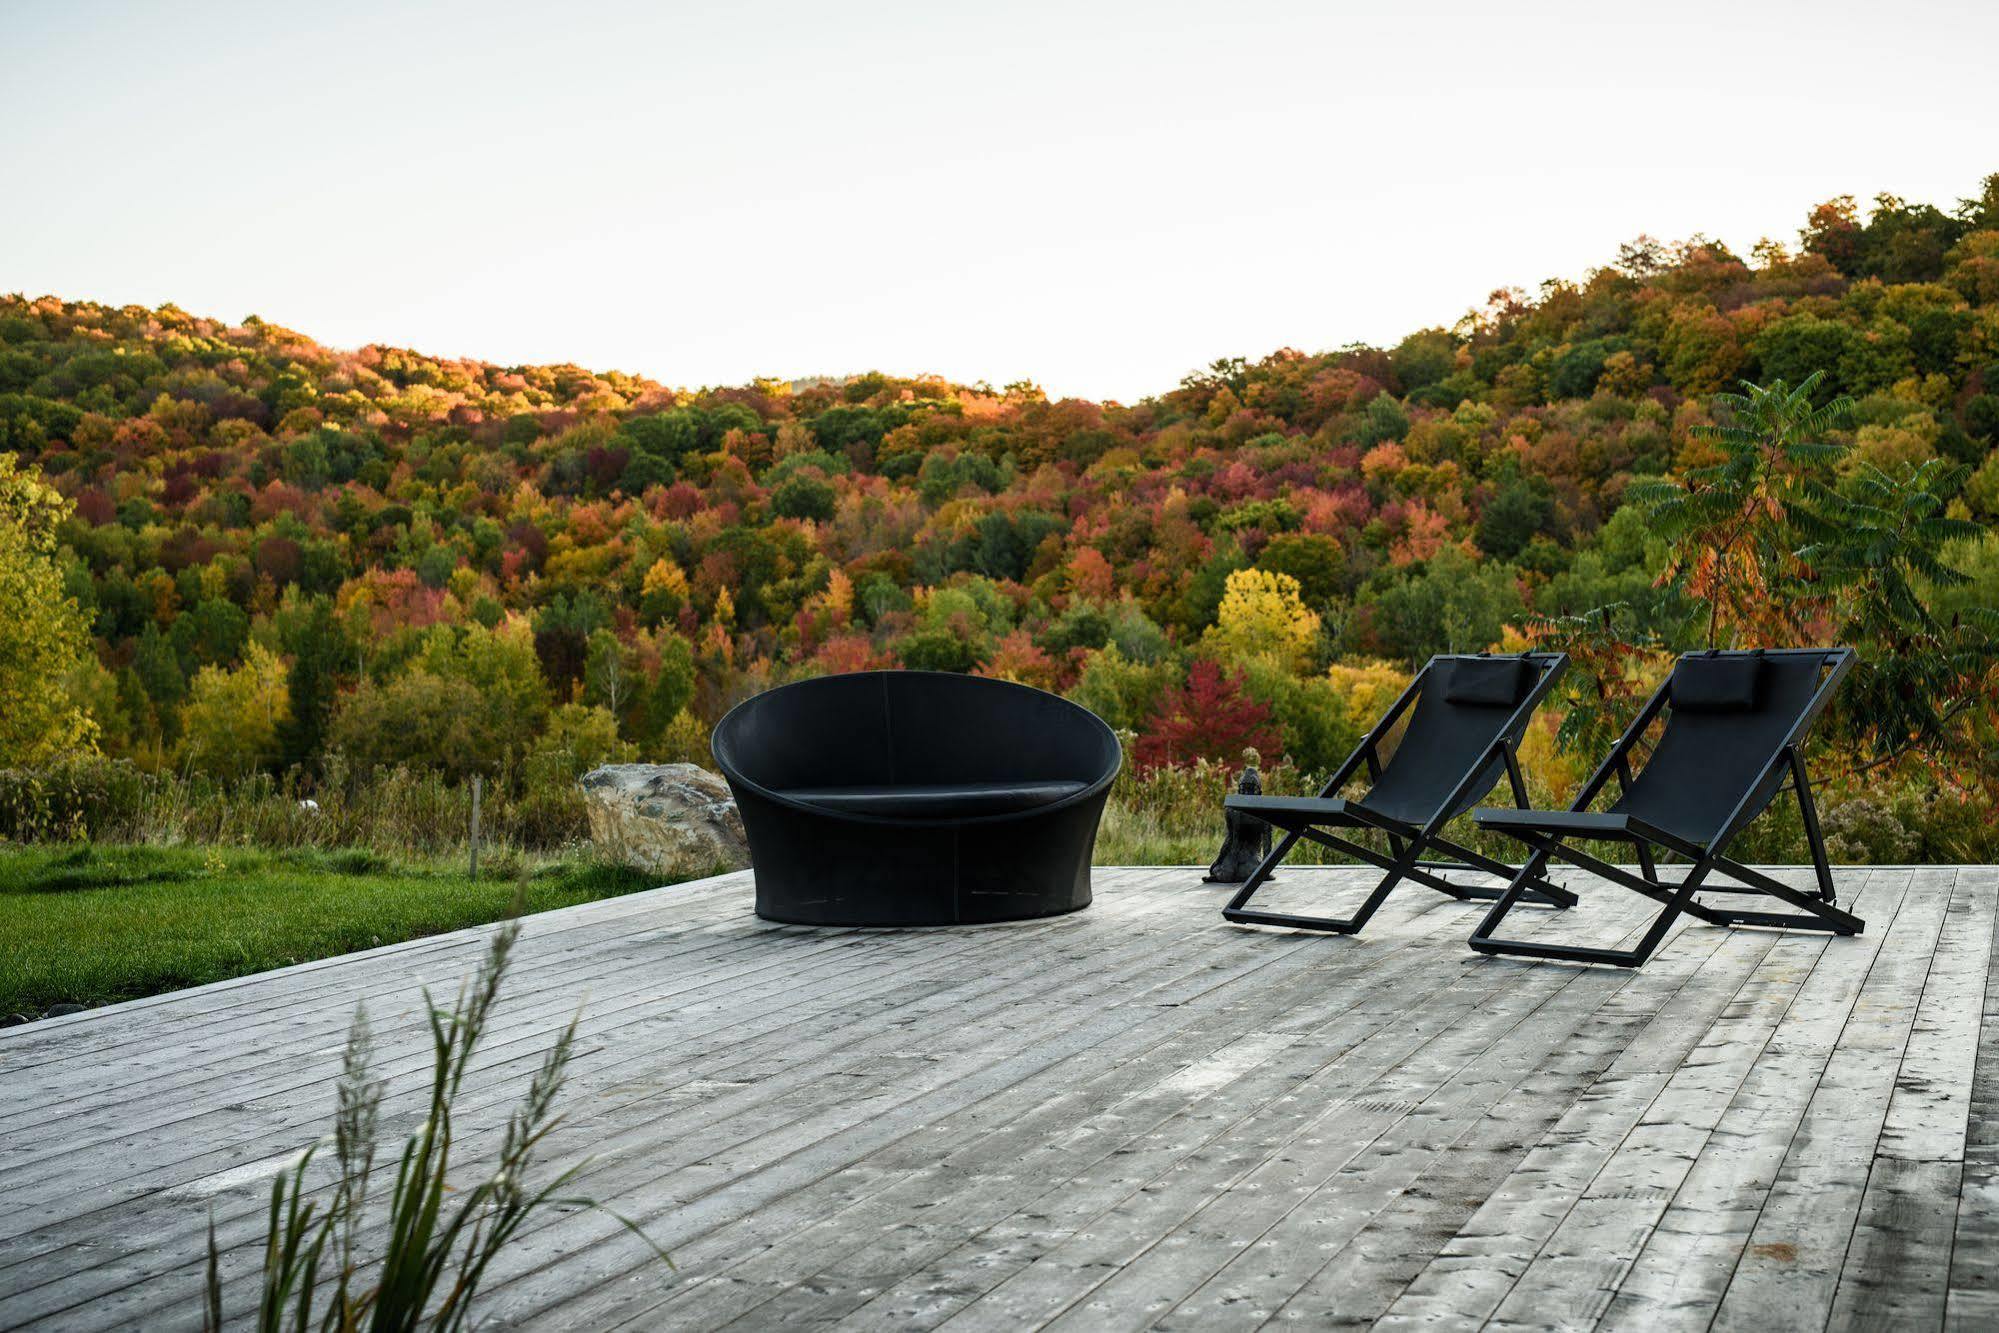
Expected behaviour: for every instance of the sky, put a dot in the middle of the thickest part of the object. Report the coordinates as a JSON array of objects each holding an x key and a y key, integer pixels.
[{"x": 1096, "y": 197}]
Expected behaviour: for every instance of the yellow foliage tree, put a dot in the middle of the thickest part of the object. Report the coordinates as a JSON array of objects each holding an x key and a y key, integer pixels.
[
  {"x": 1263, "y": 614},
  {"x": 838, "y": 598},
  {"x": 667, "y": 577},
  {"x": 230, "y": 724},
  {"x": 1369, "y": 686},
  {"x": 47, "y": 634},
  {"x": 663, "y": 591}
]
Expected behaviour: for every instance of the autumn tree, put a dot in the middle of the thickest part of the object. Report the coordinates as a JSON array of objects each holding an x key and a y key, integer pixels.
[
  {"x": 1123, "y": 692},
  {"x": 1733, "y": 525},
  {"x": 418, "y": 719},
  {"x": 1615, "y": 662},
  {"x": 501, "y": 664},
  {"x": 1263, "y": 614},
  {"x": 671, "y": 689},
  {"x": 610, "y": 680},
  {"x": 47, "y": 634},
  {"x": 580, "y": 737},
  {"x": 1447, "y": 604},
  {"x": 1210, "y": 717},
  {"x": 1313, "y": 559},
  {"x": 471, "y": 701},
  {"x": 1878, "y": 549},
  {"x": 234, "y": 715},
  {"x": 1781, "y": 550},
  {"x": 662, "y": 592}
]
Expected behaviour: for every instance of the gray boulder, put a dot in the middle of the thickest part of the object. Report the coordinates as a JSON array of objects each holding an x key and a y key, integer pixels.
[{"x": 674, "y": 820}]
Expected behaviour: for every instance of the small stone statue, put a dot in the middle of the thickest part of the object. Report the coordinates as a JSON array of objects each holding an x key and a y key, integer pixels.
[{"x": 1248, "y": 839}]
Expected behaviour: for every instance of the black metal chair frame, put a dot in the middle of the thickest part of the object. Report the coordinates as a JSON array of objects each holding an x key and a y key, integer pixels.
[
  {"x": 1545, "y": 831},
  {"x": 1407, "y": 842}
]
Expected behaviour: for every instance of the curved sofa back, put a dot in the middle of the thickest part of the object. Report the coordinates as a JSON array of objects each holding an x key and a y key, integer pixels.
[{"x": 889, "y": 728}]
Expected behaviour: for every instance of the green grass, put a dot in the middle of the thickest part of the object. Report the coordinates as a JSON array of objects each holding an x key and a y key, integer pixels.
[{"x": 90, "y": 924}]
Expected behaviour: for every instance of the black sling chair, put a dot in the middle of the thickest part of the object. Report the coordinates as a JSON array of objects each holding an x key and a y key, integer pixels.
[
  {"x": 1735, "y": 726},
  {"x": 1469, "y": 715}
]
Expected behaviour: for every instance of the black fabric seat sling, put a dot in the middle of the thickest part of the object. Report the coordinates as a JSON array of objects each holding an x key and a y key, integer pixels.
[
  {"x": 1735, "y": 728},
  {"x": 1468, "y": 716}
]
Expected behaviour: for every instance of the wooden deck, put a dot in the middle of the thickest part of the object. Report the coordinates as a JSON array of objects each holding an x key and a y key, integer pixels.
[{"x": 1135, "y": 1116}]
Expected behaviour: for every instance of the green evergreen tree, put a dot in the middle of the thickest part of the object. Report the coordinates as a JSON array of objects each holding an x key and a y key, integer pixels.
[{"x": 319, "y": 651}]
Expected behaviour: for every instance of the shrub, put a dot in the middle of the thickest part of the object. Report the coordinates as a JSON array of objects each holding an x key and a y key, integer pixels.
[
  {"x": 83, "y": 797},
  {"x": 1865, "y": 832},
  {"x": 417, "y": 718}
]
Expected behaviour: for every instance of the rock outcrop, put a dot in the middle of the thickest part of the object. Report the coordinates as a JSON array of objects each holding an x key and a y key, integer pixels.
[{"x": 674, "y": 820}]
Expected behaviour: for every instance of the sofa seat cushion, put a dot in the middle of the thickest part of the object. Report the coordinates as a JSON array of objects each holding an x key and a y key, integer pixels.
[{"x": 953, "y": 800}]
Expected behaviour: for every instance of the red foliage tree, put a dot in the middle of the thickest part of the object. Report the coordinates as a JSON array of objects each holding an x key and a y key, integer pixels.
[{"x": 1210, "y": 717}]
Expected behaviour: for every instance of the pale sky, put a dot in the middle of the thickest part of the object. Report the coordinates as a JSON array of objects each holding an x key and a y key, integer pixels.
[{"x": 1097, "y": 197}]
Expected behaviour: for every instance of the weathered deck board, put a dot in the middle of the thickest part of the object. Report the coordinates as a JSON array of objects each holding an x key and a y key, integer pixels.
[
  {"x": 1135, "y": 1116},
  {"x": 1796, "y": 1256},
  {"x": 1973, "y": 1299},
  {"x": 1688, "y": 1257}
]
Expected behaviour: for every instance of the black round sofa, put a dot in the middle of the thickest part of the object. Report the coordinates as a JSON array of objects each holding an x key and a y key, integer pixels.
[{"x": 916, "y": 798}]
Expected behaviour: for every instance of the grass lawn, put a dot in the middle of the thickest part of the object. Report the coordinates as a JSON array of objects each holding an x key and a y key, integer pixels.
[{"x": 92, "y": 924}]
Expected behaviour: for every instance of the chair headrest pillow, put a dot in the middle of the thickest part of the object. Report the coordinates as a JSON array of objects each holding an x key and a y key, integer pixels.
[
  {"x": 1716, "y": 682},
  {"x": 1486, "y": 682}
]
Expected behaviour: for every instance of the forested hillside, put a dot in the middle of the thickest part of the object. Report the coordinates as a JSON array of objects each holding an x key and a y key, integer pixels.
[{"x": 281, "y": 551}]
